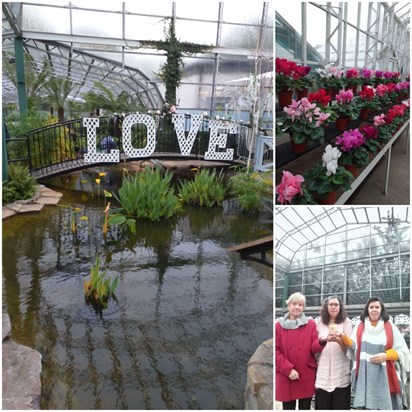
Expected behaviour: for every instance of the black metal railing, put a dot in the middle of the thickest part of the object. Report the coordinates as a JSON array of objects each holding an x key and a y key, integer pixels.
[{"x": 67, "y": 141}]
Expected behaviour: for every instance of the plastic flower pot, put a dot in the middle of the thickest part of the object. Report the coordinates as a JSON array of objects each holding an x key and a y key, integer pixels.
[
  {"x": 330, "y": 199},
  {"x": 353, "y": 169},
  {"x": 353, "y": 88},
  {"x": 301, "y": 93},
  {"x": 342, "y": 123},
  {"x": 298, "y": 148},
  {"x": 364, "y": 114},
  {"x": 285, "y": 98}
]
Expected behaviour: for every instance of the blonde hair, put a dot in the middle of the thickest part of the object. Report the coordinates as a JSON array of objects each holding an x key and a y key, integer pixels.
[{"x": 297, "y": 296}]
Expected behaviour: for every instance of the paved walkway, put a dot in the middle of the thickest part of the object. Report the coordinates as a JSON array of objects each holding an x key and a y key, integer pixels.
[{"x": 43, "y": 196}]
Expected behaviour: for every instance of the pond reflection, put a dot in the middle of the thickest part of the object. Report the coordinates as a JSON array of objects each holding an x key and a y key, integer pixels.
[{"x": 189, "y": 314}]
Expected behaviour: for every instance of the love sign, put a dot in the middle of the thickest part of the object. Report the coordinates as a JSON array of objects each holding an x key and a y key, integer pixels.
[{"x": 185, "y": 142}]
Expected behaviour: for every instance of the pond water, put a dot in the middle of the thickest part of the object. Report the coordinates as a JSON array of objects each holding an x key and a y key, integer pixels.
[{"x": 188, "y": 315}]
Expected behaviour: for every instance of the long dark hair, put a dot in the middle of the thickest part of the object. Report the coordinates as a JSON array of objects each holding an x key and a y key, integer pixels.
[
  {"x": 324, "y": 314},
  {"x": 365, "y": 313}
]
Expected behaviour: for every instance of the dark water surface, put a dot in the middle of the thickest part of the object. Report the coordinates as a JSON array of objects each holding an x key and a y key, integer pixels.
[{"x": 189, "y": 314}]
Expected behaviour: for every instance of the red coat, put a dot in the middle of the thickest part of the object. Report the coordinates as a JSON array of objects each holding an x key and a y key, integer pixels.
[{"x": 295, "y": 348}]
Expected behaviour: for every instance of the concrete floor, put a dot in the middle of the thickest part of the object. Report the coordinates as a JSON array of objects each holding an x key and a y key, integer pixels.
[{"x": 370, "y": 192}]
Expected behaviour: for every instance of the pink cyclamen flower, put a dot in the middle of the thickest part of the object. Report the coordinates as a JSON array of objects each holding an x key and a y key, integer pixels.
[
  {"x": 293, "y": 110},
  {"x": 366, "y": 73},
  {"x": 289, "y": 187},
  {"x": 351, "y": 139},
  {"x": 322, "y": 118},
  {"x": 379, "y": 120}
]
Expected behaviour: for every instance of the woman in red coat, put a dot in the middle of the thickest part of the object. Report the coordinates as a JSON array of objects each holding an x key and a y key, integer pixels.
[{"x": 296, "y": 343}]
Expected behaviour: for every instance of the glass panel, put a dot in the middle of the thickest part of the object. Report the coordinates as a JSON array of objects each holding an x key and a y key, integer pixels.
[
  {"x": 313, "y": 276},
  {"x": 240, "y": 36},
  {"x": 335, "y": 257},
  {"x": 316, "y": 29},
  {"x": 295, "y": 279},
  {"x": 332, "y": 288},
  {"x": 195, "y": 97},
  {"x": 192, "y": 10},
  {"x": 94, "y": 23},
  {"x": 144, "y": 28},
  {"x": 242, "y": 12},
  {"x": 46, "y": 19},
  {"x": 196, "y": 32},
  {"x": 147, "y": 7},
  {"x": 358, "y": 298},
  {"x": 313, "y": 300}
]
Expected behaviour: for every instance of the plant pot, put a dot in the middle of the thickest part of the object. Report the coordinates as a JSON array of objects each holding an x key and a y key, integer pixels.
[
  {"x": 330, "y": 199},
  {"x": 332, "y": 92},
  {"x": 353, "y": 169},
  {"x": 299, "y": 148},
  {"x": 342, "y": 123},
  {"x": 285, "y": 98},
  {"x": 364, "y": 114},
  {"x": 301, "y": 93},
  {"x": 353, "y": 88}
]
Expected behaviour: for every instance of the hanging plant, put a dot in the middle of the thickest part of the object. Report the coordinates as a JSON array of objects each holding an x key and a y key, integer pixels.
[{"x": 172, "y": 71}]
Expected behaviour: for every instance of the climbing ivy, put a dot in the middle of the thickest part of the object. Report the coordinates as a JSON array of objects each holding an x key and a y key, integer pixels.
[{"x": 172, "y": 71}]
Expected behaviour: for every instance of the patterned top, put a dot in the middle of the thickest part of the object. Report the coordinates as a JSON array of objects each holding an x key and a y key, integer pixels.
[{"x": 333, "y": 365}]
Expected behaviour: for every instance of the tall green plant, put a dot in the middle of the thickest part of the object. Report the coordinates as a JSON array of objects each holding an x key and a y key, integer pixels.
[
  {"x": 206, "y": 189},
  {"x": 105, "y": 98},
  {"x": 251, "y": 189},
  {"x": 171, "y": 72},
  {"x": 58, "y": 89},
  {"x": 99, "y": 288},
  {"x": 148, "y": 195},
  {"x": 21, "y": 185}
]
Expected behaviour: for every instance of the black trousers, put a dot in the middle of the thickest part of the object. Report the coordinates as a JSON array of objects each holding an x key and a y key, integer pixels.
[
  {"x": 303, "y": 404},
  {"x": 338, "y": 399}
]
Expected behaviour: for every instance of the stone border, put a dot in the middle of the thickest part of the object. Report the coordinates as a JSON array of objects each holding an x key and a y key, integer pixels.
[
  {"x": 21, "y": 371},
  {"x": 43, "y": 196},
  {"x": 259, "y": 386}
]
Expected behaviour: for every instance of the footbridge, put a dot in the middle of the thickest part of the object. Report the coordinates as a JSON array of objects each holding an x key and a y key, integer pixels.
[{"x": 61, "y": 148}]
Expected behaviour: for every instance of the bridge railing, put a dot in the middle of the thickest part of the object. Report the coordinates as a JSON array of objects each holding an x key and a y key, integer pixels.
[{"x": 67, "y": 141}]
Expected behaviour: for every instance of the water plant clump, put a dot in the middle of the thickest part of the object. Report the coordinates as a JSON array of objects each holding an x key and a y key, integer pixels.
[
  {"x": 251, "y": 189},
  {"x": 148, "y": 195},
  {"x": 100, "y": 288},
  {"x": 207, "y": 189}
]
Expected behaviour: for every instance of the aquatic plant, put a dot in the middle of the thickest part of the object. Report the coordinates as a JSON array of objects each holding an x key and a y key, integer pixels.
[
  {"x": 148, "y": 195},
  {"x": 100, "y": 288},
  {"x": 207, "y": 189},
  {"x": 250, "y": 189}
]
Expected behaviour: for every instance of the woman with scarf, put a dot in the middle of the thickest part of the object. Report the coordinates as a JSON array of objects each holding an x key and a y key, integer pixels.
[
  {"x": 296, "y": 343},
  {"x": 381, "y": 360},
  {"x": 333, "y": 374}
]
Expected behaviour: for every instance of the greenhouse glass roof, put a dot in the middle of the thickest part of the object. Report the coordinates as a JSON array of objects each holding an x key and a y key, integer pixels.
[
  {"x": 90, "y": 41},
  {"x": 298, "y": 227}
]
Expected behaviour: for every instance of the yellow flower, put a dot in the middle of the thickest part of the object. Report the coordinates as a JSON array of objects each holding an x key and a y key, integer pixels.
[
  {"x": 102, "y": 174},
  {"x": 98, "y": 181},
  {"x": 84, "y": 218}
]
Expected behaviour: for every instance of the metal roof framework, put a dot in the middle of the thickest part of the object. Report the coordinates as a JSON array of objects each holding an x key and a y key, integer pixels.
[
  {"x": 106, "y": 58},
  {"x": 296, "y": 227}
]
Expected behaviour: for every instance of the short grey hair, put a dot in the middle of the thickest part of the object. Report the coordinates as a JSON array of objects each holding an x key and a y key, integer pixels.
[{"x": 297, "y": 296}]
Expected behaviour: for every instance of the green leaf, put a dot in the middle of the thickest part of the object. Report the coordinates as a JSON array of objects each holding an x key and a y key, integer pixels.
[{"x": 116, "y": 219}]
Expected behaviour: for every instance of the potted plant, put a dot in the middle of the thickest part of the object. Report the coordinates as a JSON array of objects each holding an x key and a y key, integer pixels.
[
  {"x": 345, "y": 109},
  {"x": 301, "y": 82},
  {"x": 372, "y": 141},
  {"x": 354, "y": 155},
  {"x": 331, "y": 78},
  {"x": 284, "y": 71},
  {"x": 322, "y": 99},
  {"x": 325, "y": 180},
  {"x": 367, "y": 102},
  {"x": 352, "y": 80},
  {"x": 366, "y": 77},
  {"x": 303, "y": 123},
  {"x": 291, "y": 191}
]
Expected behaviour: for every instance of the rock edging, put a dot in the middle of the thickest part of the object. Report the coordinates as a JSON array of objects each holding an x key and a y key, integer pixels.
[
  {"x": 43, "y": 196},
  {"x": 21, "y": 373},
  {"x": 259, "y": 386}
]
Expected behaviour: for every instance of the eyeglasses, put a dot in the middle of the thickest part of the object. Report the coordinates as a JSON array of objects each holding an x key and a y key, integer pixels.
[{"x": 334, "y": 304}]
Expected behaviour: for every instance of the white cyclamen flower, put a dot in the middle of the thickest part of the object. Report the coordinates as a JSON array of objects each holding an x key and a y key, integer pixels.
[
  {"x": 330, "y": 159},
  {"x": 331, "y": 167}
]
